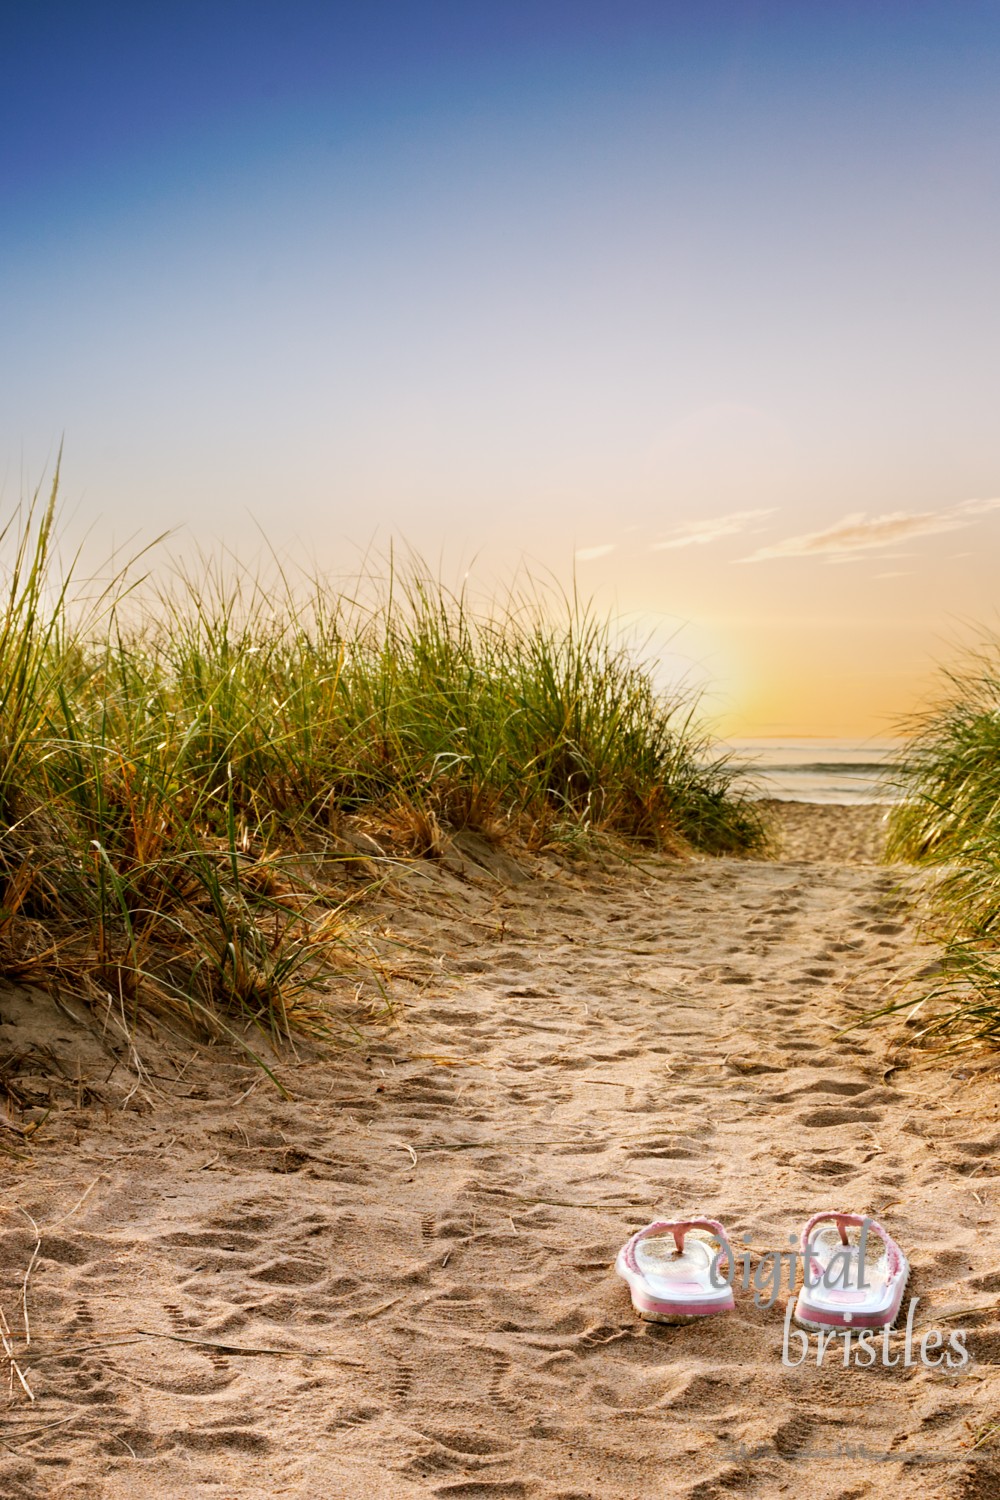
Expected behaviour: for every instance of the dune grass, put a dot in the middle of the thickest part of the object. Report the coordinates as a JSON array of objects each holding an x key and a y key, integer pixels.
[
  {"x": 950, "y": 776},
  {"x": 184, "y": 757}
]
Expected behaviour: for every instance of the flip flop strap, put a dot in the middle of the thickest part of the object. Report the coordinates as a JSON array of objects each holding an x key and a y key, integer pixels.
[
  {"x": 893, "y": 1254},
  {"x": 678, "y": 1228}
]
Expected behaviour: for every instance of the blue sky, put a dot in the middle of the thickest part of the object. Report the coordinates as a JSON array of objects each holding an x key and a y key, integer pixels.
[{"x": 699, "y": 299}]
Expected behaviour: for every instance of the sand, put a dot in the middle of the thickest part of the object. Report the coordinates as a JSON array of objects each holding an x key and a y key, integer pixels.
[{"x": 399, "y": 1281}]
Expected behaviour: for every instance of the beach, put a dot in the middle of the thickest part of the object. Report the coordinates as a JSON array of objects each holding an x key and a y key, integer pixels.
[{"x": 398, "y": 1281}]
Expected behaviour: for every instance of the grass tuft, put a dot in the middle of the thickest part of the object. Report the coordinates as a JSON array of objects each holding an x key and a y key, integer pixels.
[
  {"x": 178, "y": 753},
  {"x": 950, "y": 778}
]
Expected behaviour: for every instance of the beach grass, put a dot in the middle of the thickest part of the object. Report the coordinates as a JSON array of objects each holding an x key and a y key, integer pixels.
[
  {"x": 950, "y": 818},
  {"x": 187, "y": 758}
]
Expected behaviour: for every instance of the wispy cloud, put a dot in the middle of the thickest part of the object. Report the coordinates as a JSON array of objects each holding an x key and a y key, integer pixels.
[
  {"x": 699, "y": 533},
  {"x": 861, "y": 533},
  {"x": 588, "y": 554}
]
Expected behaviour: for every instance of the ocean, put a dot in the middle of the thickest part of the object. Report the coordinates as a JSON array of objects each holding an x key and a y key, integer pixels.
[{"x": 813, "y": 770}]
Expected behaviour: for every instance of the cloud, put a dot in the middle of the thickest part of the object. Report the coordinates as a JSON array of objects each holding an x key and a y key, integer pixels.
[
  {"x": 588, "y": 554},
  {"x": 861, "y": 533},
  {"x": 698, "y": 533}
]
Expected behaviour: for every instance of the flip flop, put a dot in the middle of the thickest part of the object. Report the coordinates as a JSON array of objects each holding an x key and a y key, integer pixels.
[
  {"x": 669, "y": 1270},
  {"x": 850, "y": 1284}
]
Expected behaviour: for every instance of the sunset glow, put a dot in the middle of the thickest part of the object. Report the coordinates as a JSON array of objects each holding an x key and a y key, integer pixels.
[{"x": 697, "y": 301}]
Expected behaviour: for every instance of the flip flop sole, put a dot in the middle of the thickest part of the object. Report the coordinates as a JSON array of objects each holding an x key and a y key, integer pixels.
[
  {"x": 656, "y": 1311},
  {"x": 822, "y": 1320}
]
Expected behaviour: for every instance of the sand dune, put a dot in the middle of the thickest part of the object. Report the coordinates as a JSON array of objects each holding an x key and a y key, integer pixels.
[{"x": 399, "y": 1282}]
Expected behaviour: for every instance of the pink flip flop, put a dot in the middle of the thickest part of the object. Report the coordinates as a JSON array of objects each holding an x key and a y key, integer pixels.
[
  {"x": 674, "y": 1275},
  {"x": 849, "y": 1283}
]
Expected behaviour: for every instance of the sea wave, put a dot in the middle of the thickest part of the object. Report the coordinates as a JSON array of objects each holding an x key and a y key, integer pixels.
[{"x": 806, "y": 771}]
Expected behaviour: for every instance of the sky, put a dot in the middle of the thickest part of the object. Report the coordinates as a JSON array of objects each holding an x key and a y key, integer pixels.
[{"x": 695, "y": 303}]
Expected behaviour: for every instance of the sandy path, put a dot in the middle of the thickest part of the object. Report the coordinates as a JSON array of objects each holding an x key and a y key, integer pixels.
[{"x": 434, "y": 1220}]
